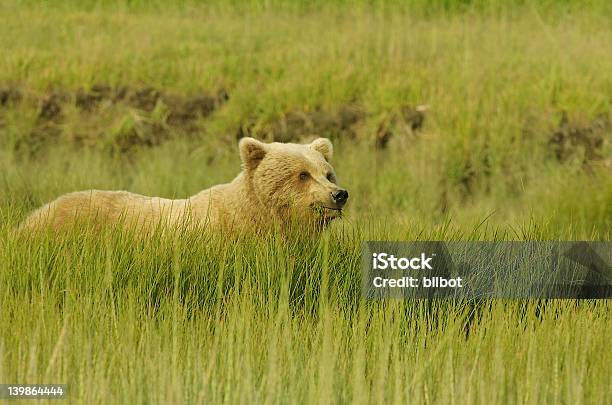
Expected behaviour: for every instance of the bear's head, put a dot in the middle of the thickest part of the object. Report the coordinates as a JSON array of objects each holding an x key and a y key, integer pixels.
[{"x": 294, "y": 180}]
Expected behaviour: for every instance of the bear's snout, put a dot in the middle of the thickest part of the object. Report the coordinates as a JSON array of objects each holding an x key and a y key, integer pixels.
[{"x": 340, "y": 197}]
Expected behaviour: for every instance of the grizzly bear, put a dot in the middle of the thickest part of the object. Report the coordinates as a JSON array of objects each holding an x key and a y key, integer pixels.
[{"x": 280, "y": 183}]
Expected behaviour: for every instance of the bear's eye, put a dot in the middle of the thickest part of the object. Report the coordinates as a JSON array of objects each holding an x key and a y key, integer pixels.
[
  {"x": 331, "y": 177},
  {"x": 304, "y": 176}
]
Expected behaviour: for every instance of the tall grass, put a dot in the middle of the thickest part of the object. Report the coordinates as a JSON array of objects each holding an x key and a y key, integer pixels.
[
  {"x": 203, "y": 318},
  {"x": 200, "y": 317}
]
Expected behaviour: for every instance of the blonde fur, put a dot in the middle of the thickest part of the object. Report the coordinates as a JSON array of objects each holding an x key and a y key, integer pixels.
[{"x": 270, "y": 189}]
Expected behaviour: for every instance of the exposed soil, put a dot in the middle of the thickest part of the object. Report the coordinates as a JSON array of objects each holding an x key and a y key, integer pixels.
[
  {"x": 339, "y": 123},
  {"x": 571, "y": 139},
  {"x": 145, "y": 133},
  {"x": 182, "y": 109},
  {"x": 176, "y": 113},
  {"x": 90, "y": 100},
  {"x": 188, "y": 109},
  {"x": 50, "y": 108},
  {"x": 406, "y": 121},
  {"x": 299, "y": 125},
  {"x": 9, "y": 95},
  {"x": 580, "y": 139},
  {"x": 146, "y": 116}
]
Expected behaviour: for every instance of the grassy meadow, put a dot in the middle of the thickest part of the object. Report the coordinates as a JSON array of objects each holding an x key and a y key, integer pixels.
[{"x": 515, "y": 144}]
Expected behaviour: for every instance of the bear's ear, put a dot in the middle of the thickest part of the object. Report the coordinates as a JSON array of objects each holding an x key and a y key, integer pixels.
[
  {"x": 251, "y": 152},
  {"x": 324, "y": 147}
]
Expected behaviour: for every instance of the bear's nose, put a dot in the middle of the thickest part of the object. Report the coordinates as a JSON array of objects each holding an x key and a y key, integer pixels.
[{"x": 340, "y": 196}]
